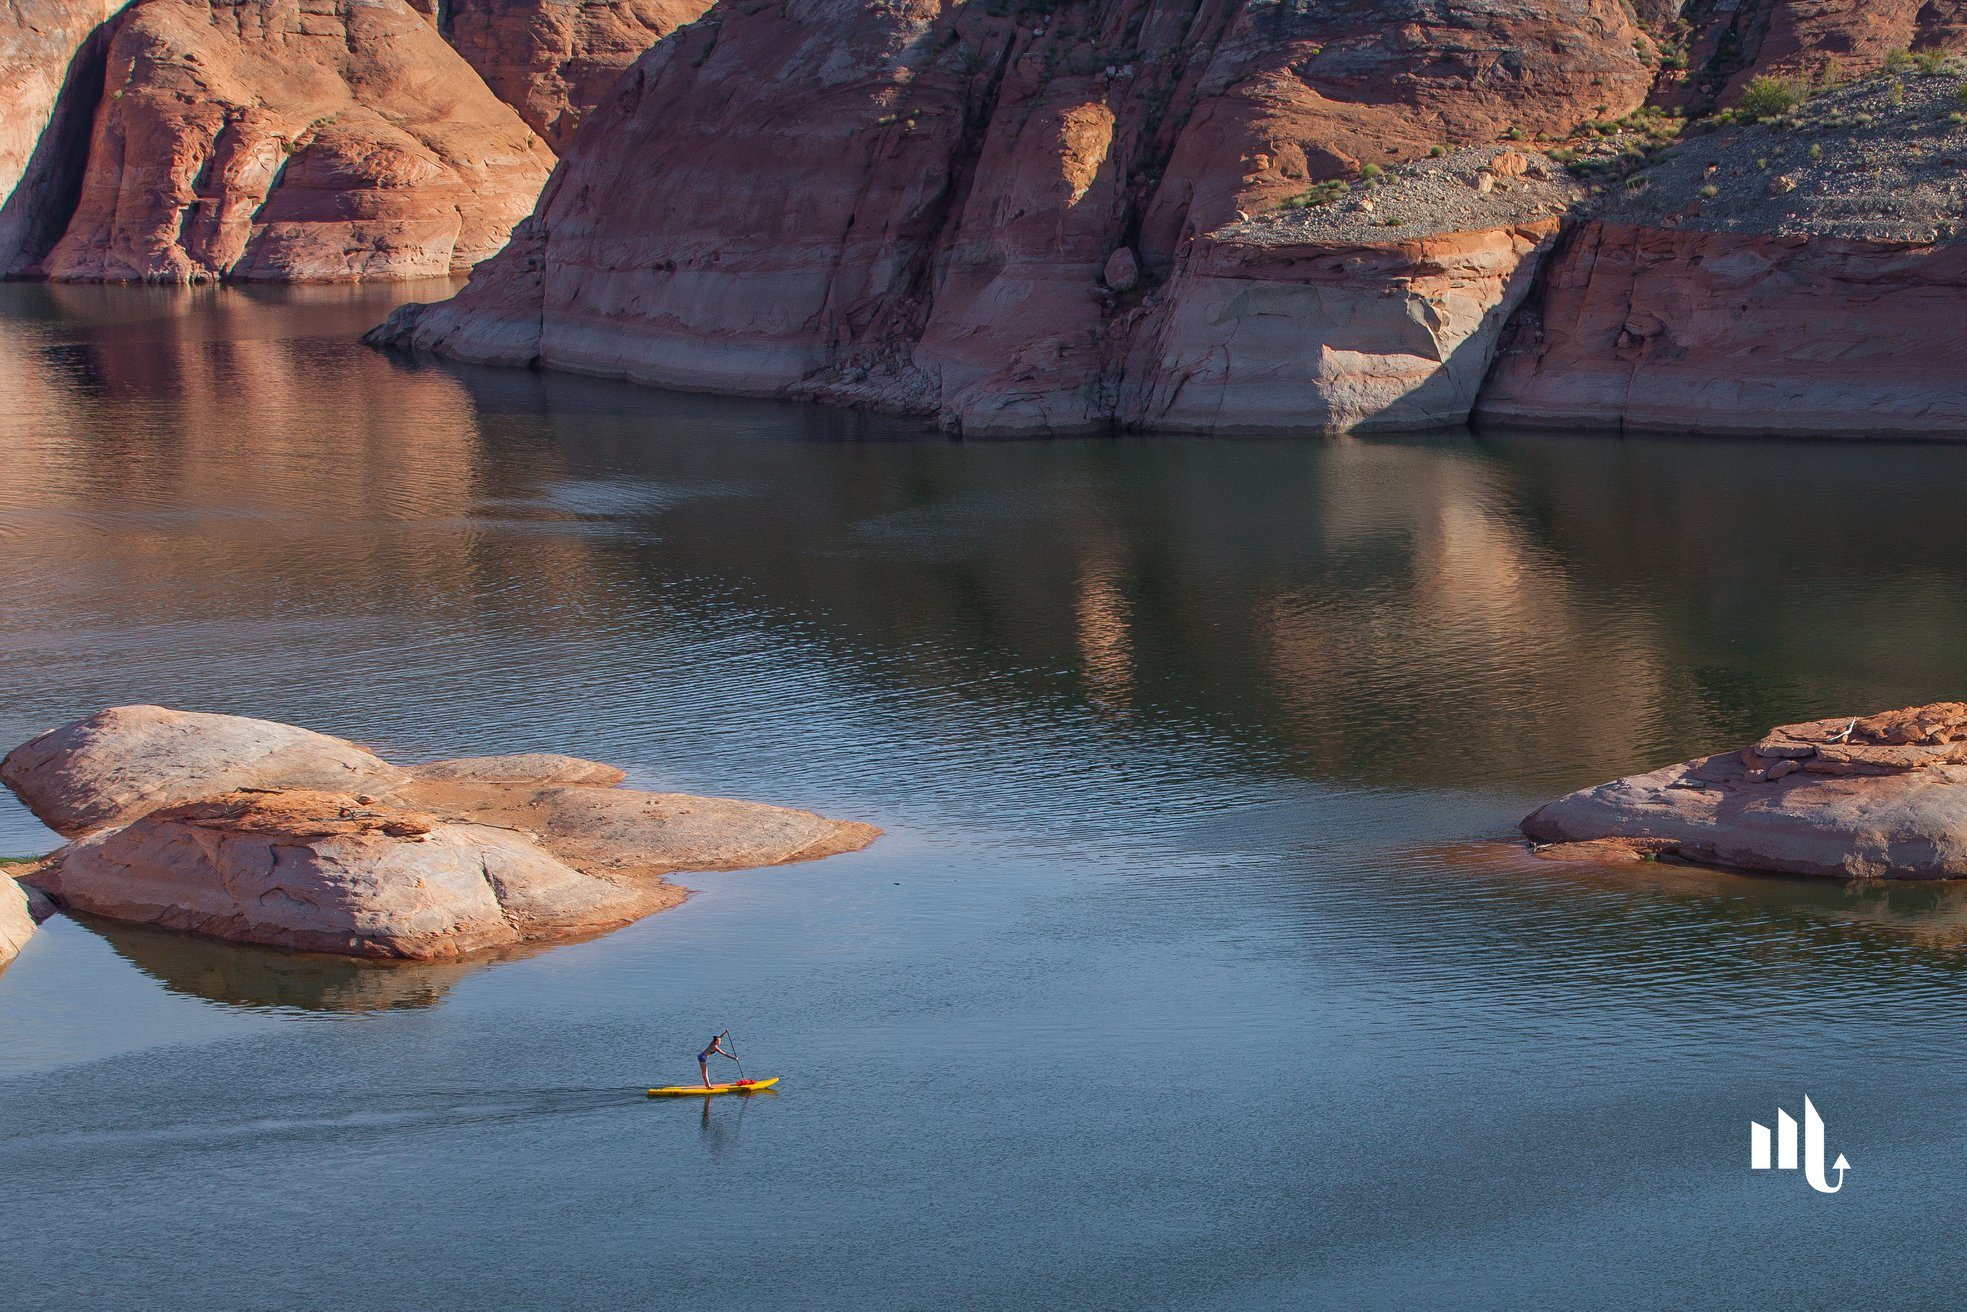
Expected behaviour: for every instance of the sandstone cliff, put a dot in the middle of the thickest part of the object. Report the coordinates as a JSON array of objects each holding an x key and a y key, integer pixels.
[
  {"x": 1730, "y": 42},
  {"x": 293, "y": 140},
  {"x": 1697, "y": 332},
  {"x": 553, "y": 60},
  {"x": 51, "y": 61},
  {"x": 1798, "y": 278},
  {"x": 915, "y": 206}
]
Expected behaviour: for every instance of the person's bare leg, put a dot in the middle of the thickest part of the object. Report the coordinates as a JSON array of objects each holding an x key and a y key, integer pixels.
[{"x": 704, "y": 1066}]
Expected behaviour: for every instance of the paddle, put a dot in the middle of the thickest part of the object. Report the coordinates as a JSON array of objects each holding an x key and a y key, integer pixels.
[{"x": 732, "y": 1053}]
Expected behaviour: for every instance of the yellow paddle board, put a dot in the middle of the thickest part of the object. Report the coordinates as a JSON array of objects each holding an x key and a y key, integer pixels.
[{"x": 742, "y": 1086}]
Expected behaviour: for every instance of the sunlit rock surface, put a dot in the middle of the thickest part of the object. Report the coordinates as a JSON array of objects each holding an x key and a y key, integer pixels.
[
  {"x": 16, "y": 924},
  {"x": 124, "y": 762},
  {"x": 262, "y": 833},
  {"x": 1879, "y": 797},
  {"x": 51, "y": 62},
  {"x": 266, "y": 140}
]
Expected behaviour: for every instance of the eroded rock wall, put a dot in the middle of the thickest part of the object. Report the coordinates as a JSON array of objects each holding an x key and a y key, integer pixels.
[
  {"x": 1717, "y": 332},
  {"x": 1734, "y": 41},
  {"x": 553, "y": 60},
  {"x": 1291, "y": 338},
  {"x": 293, "y": 140},
  {"x": 913, "y": 206},
  {"x": 51, "y": 61}
]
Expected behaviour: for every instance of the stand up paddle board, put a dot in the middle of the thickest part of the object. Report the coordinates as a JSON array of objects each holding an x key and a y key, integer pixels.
[{"x": 741, "y": 1086}]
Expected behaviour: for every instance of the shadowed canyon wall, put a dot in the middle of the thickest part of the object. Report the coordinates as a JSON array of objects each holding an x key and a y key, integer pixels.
[{"x": 553, "y": 60}]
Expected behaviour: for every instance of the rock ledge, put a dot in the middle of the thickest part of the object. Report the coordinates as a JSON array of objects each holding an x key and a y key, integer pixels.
[
  {"x": 258, "y": 832},
  {"x": 1872, "y": 797}
]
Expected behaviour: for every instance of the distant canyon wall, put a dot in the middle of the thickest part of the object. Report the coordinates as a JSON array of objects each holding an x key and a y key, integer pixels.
[{"x": 553, "y": 60}]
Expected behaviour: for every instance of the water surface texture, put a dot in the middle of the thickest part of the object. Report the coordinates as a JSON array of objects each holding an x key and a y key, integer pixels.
[{"x": 1191, "y": 972}]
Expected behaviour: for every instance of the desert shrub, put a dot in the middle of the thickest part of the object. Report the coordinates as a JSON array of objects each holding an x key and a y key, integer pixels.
[
  {"x": 1930, "y": 63},
  {"x": 1769, "y": 97},
  {"x": 1710, "y": 191},
  {"x": 1319, "y": 193}
]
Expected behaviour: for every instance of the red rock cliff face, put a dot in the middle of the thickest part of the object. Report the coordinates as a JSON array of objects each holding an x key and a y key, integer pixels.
[
  {"x": 1713, "y": 332},
  {"x": 1295, "y": 337},
  {"x": 50, "y": 75},
  {"x": 553, "y": 60},
  {"x": 1743, "y": 39},
  {"x": 912, "y": 204},
  {"x": 293, "y": 140}
]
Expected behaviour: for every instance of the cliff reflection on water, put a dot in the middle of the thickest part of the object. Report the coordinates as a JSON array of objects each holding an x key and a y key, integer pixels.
[{"x": 219, "y": 499}]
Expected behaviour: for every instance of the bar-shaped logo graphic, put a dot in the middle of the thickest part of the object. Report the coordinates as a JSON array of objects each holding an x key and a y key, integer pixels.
[{"x": 1778, "y": 1150}]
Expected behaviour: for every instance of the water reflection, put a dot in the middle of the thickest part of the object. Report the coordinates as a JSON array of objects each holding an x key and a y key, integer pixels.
[
  {"x": 1881, "y": 922},
  {"x": 1426, "y": 614},
  {"x": 239, "y": 975}
]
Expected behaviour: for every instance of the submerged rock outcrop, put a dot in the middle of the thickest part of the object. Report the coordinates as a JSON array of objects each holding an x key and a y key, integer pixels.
[
  {"x": 1876, "y": 797},
  {"x": 275, "y": 140},
  {"x": 263, "y": 833},
  {"x": 326, "y": 872}
]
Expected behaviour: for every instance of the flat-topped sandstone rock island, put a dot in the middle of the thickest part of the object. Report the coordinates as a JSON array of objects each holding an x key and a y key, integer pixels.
[
  {"x": 258, "y": 832},
  {"x": 1875, "y": 797}
]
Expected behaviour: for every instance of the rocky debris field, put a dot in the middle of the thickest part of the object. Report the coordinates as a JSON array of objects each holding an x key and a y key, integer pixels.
[
  {"x": 1883, "y": 158},
  {"x": 1462, "y": 191},
  {"x": 1880, "y": 159},
  {"x": 1876, "y": 797}
]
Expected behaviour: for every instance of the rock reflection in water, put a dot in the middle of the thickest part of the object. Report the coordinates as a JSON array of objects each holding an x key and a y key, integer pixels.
[
  {"x": 268, "y": 979},
  {"x": 1780, "y": 914}
]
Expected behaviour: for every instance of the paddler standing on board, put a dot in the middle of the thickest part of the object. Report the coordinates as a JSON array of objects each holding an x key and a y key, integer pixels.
[{"x": 717, "y": 1047}]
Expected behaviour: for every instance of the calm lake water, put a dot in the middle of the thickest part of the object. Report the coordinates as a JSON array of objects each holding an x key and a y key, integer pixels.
[{"x": 1190, "y": 974}]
